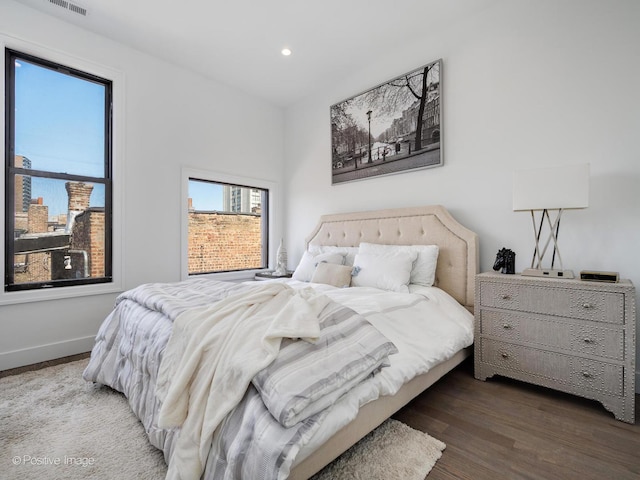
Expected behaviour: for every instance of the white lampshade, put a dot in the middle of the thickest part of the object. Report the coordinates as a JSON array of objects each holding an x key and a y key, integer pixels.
[{"x": 551, "y": 188}]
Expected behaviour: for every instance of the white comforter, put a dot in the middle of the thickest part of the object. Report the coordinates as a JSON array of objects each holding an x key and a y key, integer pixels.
[
  {"x": 213, "y": 354},
  {"x": 427, "y": 326}
]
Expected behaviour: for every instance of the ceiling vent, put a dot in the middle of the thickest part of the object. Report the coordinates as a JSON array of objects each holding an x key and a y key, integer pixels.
[{"x": 71, "y": 6}]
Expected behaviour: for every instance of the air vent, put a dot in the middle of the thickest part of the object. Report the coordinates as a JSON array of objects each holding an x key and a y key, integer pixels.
[
  {"x": 71, "y": 6},
  {"x": 78, "y": 9}
]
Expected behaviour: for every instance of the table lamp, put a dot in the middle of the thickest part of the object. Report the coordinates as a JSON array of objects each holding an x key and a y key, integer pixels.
[{"x": 549, "y": 190}]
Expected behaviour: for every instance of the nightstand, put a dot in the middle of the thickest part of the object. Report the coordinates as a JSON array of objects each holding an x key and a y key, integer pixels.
[
  {"x": 271, "y": 276},
  {"x": 570, "y": 335}
]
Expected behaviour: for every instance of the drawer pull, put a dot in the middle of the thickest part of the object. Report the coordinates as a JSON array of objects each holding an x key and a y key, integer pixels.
[
  {"x": 587, "y": 306},
  {"x": 504, "y": 355},
  {"x": 589, "y": 340},
  {"x": 506, "y": 326},
  {"x": 587, "y": 375},
  {"x": 506, "y": 296}
]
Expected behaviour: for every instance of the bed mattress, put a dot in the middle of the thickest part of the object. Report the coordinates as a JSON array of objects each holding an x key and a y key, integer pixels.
[{"x": 426, "y": 325}]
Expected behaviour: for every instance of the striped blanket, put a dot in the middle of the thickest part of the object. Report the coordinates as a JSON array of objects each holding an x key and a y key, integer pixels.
[{"x": 285, "y": 404}]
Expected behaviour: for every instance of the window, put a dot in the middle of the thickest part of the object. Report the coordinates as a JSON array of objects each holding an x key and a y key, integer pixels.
[
  {"x": 228, "y": 227},
  {"x": 58, "y": 179}
]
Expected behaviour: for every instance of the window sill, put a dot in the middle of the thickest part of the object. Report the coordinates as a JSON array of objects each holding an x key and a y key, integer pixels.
[
  {"x": 244, "y": 275},
  {"x": 29, "y": 296}
]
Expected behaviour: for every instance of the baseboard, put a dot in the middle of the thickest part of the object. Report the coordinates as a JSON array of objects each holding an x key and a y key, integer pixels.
[{"x": 43, "y": 353}]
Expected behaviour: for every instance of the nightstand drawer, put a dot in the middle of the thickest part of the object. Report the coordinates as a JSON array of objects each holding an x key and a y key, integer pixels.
[
  {"x": 553, "y": 369},
  {"x": 575, "y": 336},
  {"x": 575, "y": 303}
]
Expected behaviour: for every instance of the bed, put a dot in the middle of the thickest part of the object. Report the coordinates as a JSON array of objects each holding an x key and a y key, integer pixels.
[{"x": 127, "y": 366}]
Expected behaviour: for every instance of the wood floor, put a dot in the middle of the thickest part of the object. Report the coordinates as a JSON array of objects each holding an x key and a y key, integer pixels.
[
  {"x": 504, "y": 429},
  {"x": 38, "y": 366}
]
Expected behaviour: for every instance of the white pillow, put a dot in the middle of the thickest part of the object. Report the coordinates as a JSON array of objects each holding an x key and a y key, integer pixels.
[
  {"x": 307, "y": 266},
  {"x": 424, "y": 268},
  {"x": 348, "y": 252},
  {"x": 386, "y": 271}
]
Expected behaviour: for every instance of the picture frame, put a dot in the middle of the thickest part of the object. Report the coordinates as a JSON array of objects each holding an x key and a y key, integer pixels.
[{"x": 374, "y": 133}]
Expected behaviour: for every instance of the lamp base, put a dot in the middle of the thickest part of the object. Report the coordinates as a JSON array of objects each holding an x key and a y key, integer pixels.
[{"x": 547, "y": 272}]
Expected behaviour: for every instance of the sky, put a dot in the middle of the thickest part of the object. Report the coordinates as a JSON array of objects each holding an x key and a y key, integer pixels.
[
  {"x": 206, "y": 196},
  {"x": 59, "y": 126}
]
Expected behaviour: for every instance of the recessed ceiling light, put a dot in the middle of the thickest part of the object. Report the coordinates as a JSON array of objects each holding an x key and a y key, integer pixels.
[{"x": 286, "y": 52}]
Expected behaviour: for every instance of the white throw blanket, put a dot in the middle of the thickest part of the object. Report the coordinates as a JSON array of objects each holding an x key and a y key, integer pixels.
[{"x": 213, "y": 354}]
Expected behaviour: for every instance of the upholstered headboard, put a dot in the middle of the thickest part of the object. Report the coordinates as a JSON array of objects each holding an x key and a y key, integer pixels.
[{"x": 429, "y": 225}]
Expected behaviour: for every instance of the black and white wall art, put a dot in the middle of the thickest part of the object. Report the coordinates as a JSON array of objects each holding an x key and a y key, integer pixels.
[{"x": 392, "y": 128}]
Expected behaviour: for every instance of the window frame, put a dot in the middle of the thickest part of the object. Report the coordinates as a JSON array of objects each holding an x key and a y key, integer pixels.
[
  {"x": 223, "y": 178},
  {"x": 68, "y": 289}
]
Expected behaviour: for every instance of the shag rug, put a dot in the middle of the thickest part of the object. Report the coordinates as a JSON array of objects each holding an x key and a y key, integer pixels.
[{"x": 54, "y": 425}]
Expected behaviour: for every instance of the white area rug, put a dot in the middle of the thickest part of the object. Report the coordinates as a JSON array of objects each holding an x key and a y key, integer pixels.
[
  {"x": 54, "y": 425},
  {"x": 392, "y": 451}
]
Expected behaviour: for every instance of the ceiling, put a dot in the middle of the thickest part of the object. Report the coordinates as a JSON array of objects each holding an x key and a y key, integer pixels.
[{"x": 238, "y": 42}]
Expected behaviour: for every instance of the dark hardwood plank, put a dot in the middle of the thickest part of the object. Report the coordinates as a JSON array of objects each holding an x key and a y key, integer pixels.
[
  {"x": 49, "y": 363},
  {"x": 505, "y": 429}
]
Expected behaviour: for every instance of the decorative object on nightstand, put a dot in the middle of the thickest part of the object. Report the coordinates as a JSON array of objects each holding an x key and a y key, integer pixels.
[
  {"x": 505, "y": 261},
  {"x": 594, "y": 276},
  {"x": 281, "y": 259},
  {"x": 545, "y": 190},
  {"x": 573, "y": 336},
  {"x": 271, "y": 275}
]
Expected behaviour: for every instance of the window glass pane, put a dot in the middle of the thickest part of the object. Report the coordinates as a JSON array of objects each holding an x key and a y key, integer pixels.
[
  {"x": 58, "y": 218},
  {"x": 59, "y": 230},
  {"x": 59, "y": 121},
  {"x": 227, "y": 227}
]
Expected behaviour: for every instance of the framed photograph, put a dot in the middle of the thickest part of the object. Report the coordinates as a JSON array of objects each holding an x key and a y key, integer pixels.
[{"x": 391, "y": 128}]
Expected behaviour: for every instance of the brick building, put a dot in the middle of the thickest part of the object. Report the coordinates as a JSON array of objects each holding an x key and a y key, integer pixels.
[
  {"x": 87, "y": 243},
  {"x": 220, "y": 241},
  {"x": 33, "y": 266},
  {"x": 49, "y": 250}
]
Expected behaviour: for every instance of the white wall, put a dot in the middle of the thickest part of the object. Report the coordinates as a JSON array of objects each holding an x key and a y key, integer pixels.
[
  {"x": 174, "y": 118},
  {"x": 525, "y": 83}
]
